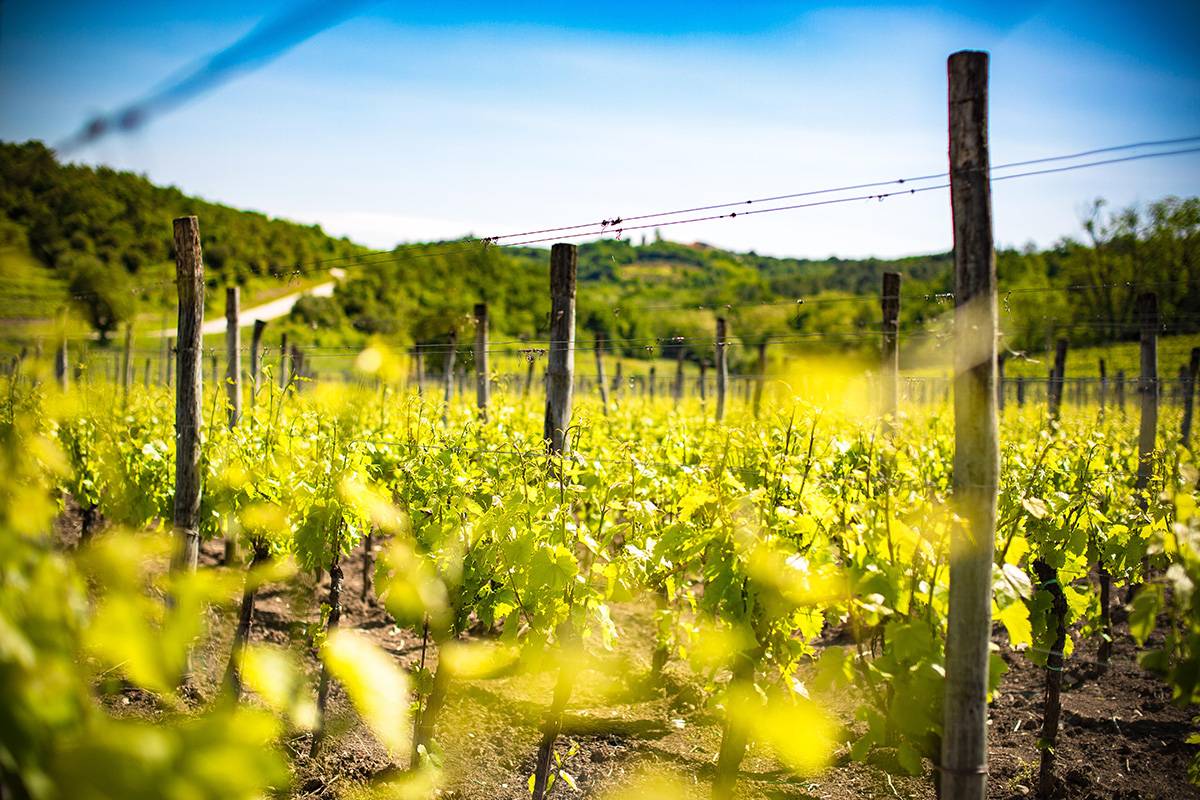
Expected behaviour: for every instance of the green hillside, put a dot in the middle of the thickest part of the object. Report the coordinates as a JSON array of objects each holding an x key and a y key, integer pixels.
[{"x": 104, "y": 238}]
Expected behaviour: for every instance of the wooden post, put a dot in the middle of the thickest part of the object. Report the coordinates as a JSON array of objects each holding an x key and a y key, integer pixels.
[
  {"x": 677, "y": 389},
  {"x": 1000, "y": 383},
  {"x": 171, "y": 351},
  {"x": 1057, "y": 377},
  {"x": 62, "y": 371},
  {"x": 126, "y": 364},
  {"x": 560, "y": 370},
  {"x": 760, "y": 377},
  {"x": 1147, "y": 316},
  {"x": 482, "y": 379},
  {"x": 618, "y": 382},
  {"x": 1020, "y": 391},
  {"x": 722, "y": 368},
  {"x": 1189, "y": 396},
  {"x": 1103, "y": 387},
  {"x": 189, "y": 279},
  {"x": 963, "y": 767},
  {"x": 233, "y": 356},
  {"x": 418, "y": 357},
  {"x": 601, "y": 383},
  {"x": 702, "y": 381},
  {"x": 448, "y": 375},
  {"x": 146, "y": 374},
  {"x": 256, "y": 356},
  {"x": 296, "y": 365},
  {"x": 651, "y": 380},
  {"x": 530, "y": 360},
  {"x": 284, "y": 352},
  {"x": 890, "y": 369}
]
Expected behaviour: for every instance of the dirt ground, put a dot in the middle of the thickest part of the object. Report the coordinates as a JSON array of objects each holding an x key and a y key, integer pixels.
[{"x": 1120, "y": 737}]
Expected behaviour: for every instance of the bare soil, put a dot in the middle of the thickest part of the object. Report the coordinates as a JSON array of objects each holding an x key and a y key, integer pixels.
[{"x": 1120, "y": 736}]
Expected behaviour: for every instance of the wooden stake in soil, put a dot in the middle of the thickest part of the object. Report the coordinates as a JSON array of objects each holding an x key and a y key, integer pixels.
[
  {"x": 560, "y": 370},
  {"x": 189, "y": 279},
  {"x": 722, "y": 368},
  {"x": 890, "y": 368},
  {"x": 1189, "y": 396},
  {"x": 256, "y": 356},
  {"x": 652, "y": 380},
  {"x": 963, "y": 767},
  {"x": 233, "y": 356},
  {"x": 335, "y": 616},
  {"x": 482, "y": 379},
  {"x": 1052, "y": 706}
]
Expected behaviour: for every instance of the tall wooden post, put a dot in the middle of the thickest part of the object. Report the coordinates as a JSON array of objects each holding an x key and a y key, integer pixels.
[
  {"x": 448, "y": 374},
  {"x": 62, "y": 370},
  {"x": 256, "y": 356},
  {"x": 601, "y": 383},
  {"x": 482, "y": 379},
  {"x": 126, "y": 364},
  {"x": 963, "y": 766},
  {"x": 189, "y": 279},
  {"x": 1189, "y": 396},
  {"x": 618, "y": 382},
  {"x": 1057, "y": 378},
  {"x": 702, "y": 381},
  {"x": 652, "y": 379},
  {"x": 560, "y": 370},
  {"x": 1147, "y": 316},
  {"x": 890, "y": 369},
  {"x": 1020, "y": 391},
  {"x": 722, "y": 368},
  {"x": 233, "y": 356}
]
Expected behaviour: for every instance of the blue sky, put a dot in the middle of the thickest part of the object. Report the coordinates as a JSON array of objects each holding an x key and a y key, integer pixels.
[{"x": 412, "y": 121}]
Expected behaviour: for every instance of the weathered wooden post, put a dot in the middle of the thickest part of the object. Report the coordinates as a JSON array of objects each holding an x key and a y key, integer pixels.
[
  {"x": 652, "y": 380},
  {"x": 62, "y": 371},
  {"x": 889, "y": 301},
  {"x": 146, "y": 374},
  {"x": 233, "y": 357},
  {"x": 601, "y": 383},
  {"x": 963, "y": 767},
  {"x": 722, "y": 368},
  {"x": 1103, "y": 388},
  {"x": 256, "y": 356},
  {"x": 677, "y": 389},
  {"x": 189, "y": 280},
  {"x": 448, "y": 374},
  {"x": 1057, "y": 377},
  {"x": 618, "y": 382},
  {"x": 1020, "y": 391},
  {"x": 171, "y": 353},
  {"x": 482, "y": 378},
  {"x": 1000, "y": 383},
  {"x": 1189, "y": 396},
  {"x": 560, "y": 369},
  {"x": 559, "y": 388},
  {"x": 126, "y": 364},
  {"x": 1147, "y": 316},
  {"x": 702, "y": 381}
]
